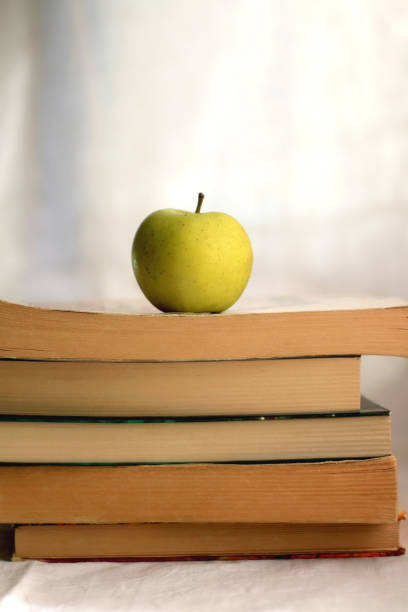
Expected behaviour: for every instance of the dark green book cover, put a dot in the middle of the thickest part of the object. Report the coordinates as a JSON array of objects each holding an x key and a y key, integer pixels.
[
  {"x": 240, "y": 439},
  {"x": 367, "y": 408}
]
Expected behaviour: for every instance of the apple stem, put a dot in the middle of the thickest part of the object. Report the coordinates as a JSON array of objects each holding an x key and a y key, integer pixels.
[{"x": 200, "y": 201}]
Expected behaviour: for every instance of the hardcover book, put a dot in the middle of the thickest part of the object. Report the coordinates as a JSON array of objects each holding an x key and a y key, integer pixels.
[
  {"x": 197, "y": 440},
  {"x": 191, "y": 540}
]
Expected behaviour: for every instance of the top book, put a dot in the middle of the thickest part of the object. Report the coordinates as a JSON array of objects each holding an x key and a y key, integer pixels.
[{"x": 260, "y": 330}]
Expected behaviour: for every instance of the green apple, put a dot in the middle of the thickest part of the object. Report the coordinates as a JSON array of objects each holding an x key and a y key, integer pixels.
[{"x": 191, "y": 261}]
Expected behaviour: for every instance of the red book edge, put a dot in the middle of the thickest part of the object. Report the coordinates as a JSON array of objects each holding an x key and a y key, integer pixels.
[{"x": 345, "y": 555}]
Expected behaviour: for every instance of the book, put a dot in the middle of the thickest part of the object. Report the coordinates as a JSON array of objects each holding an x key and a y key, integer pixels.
[
  {"x": 179, "y": 540},
  {"x": 329, "y": 436},
  {"x": 282, "y": 329},
  {"x": 6, "y": 542},
  {"x": 360, "y": 491},
  {"x": 258, "y": 386}
]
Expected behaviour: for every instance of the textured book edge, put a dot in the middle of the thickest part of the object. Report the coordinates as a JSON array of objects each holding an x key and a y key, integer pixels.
[
  {"x": 312, "y": 555},
  {"x": 198, "y": 493},
  {"x": 306, "y": 330}
]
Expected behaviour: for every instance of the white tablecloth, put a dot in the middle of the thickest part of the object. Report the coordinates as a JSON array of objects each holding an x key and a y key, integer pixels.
[{"x": 374, "y": 585}]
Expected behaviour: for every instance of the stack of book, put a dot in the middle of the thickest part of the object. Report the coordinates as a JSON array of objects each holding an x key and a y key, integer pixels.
[{"x": 167, "y": 436}]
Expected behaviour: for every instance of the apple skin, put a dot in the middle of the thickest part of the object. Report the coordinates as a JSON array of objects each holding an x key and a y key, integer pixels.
[{"x": 191, "y": 262}]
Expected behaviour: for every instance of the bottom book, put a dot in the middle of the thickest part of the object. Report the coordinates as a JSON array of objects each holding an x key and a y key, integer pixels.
[{"x": 204, "y": 541}]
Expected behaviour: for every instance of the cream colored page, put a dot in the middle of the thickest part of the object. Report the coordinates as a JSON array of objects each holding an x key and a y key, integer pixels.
[{"x": 246, "y": 304}]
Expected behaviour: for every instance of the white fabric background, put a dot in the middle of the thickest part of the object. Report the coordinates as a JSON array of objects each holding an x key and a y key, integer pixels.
[
  {"x": 290, "y": 115},
  {"x": 378, "y": 585}
]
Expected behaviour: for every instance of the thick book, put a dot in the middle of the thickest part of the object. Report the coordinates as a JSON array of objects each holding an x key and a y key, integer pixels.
[
  {"x": 366, "y": 433},
  {"x": 180, "y": 540},
  {"x": 183, "y": 388},
  {"x": 279, "y": 328},
  {"x": 360, "y": 491}
]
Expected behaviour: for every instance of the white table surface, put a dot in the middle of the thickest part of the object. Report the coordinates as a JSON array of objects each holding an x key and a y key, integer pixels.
[{"x": 374, "y": 585}]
